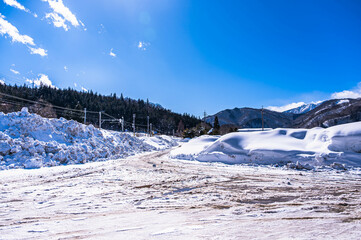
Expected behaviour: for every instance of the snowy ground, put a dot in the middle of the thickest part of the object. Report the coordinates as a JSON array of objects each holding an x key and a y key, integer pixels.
[
  {"x": 152, "y": 192},
  {"x": 150, "y": 196}
]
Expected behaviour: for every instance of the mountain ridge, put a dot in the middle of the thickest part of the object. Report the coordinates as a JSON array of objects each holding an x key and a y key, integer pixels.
[
  {"x": 325, "y": 114},
  {"x": 304, "y": 108}
]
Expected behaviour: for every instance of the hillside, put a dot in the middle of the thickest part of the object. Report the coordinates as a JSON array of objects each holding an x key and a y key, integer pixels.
[
  {"x": 331, "y": 113},
  {"x": 252, "y": 118},
  {"x": 68, "y": 103}
]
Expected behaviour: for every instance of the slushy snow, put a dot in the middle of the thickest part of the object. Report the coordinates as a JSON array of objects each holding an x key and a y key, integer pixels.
[
  {"x": 31, "y": 141},
  {"x": 337, "y": 147}
]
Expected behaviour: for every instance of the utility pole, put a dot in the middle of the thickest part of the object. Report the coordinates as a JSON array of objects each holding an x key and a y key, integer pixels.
[
  {"x": 151, "y": 132},
  {"x": 204, "y": 119},
  {"x": 100, "y": 120},
  {"x": 134, "y": 124},
  {"x": 262, "y": 120},
  {"x": 84, "y": 115},
  {"x": 122, "y": 124},
  {"x": 148, "y": 125}
]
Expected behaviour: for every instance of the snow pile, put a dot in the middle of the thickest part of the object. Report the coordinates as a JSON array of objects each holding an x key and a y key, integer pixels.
[
  {"x": 30, "y": 141},
  {"x": 336, "y": 147},
  {"x": 191, "y": 149},
  {"x": 161, "y": 142}
]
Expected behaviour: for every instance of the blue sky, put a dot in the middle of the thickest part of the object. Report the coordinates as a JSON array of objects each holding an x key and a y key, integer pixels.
[{"x": 188, "y": 56}]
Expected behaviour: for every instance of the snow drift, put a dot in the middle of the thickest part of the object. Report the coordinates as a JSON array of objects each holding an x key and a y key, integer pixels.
[
  {"x": 31, "y": 141},
  {"x": 300, "y": 148}
]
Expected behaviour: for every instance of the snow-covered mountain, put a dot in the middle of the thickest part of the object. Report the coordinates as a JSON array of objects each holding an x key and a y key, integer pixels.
[
  {"x": 330, "y": 113},
  {"x": 324, "y": 114},
  {"x": 304, "y": 108}
]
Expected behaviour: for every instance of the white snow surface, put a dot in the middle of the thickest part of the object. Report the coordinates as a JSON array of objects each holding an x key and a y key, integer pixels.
[
  {"x": 31, "y": 141},
  {"x": 149, "y": 196},
  {"x": 343, "y": 101},
  {"x": 337, "y": 147}
]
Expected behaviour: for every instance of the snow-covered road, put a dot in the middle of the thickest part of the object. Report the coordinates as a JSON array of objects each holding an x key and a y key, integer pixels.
[{"x": 150, "y": 196}]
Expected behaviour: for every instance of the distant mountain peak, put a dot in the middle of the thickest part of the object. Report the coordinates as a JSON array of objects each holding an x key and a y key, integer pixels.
[{"x": 304, "y": 108}]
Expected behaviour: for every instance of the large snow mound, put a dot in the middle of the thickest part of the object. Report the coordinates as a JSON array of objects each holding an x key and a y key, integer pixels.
[
  {"x": 31, "y": 141},
  {"x": 336, "y": 146}
]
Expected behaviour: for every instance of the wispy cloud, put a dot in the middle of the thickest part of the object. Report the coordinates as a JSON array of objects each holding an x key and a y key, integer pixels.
[
  {"x": 143, "y": 45},
  {"x": 41, "y": 80},
  {"x": 57, "y": 20},
  {"x": 61, "y": 15},
  {"x": 14, "y": 71},
  {"x": 353, "y": 93},
  {"x": 101, "y": 29},
  {"x": 65, "y": 68},
  {"x": 14, "y": 3},
  {"x": 111, "y": 53},
  {"x": 84, "y": 89},
  {"x": 40, "y": 51},
  {"x": 286, "y": 107},
  {"x": 9, "y": 30}
]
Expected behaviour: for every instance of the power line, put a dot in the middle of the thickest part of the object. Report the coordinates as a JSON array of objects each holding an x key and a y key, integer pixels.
[
  {"x": 67, "y": 111},
  {"x": 45, "y": 104}
]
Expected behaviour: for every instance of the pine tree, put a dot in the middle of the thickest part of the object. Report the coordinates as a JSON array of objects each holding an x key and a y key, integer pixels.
[
  {"x": 216, "y": 126},
  {"x": 216, "y": 123}
]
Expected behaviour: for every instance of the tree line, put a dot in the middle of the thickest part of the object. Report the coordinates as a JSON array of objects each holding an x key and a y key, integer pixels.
[{"x": 163, "y": 120}]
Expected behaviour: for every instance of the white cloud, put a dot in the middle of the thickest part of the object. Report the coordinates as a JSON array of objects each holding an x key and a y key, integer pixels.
[
  {"x": 65, "y": 68},
  {"x": 40, "y": 51},
  {"x": 14, "y": 3},
  {"x": 84, "y": 89},
  {"x": 111, "y": 53},
  {"x": 57, "y": 20},
  {"x": 9, "y": 30},
  {"x": 353, "y": 93},
  {"x": 61, "y": 15},
  {"x": 75, "y": 85},
  {"x": 14, "y": 71},
  {"x": 286, "y": 107},
  {"x": 41, "y": 80},
  {"x": 143, "y": 45},
  {"x": 2, "y": 81}
]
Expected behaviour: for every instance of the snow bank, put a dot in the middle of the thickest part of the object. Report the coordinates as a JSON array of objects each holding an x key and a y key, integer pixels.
[
  {"x": 160, "y": 142},
  {"x": 30, "y": 141},
  {"x": 336, "y": 146}
]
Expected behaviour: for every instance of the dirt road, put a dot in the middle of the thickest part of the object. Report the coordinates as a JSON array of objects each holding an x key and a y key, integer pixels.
[{"x": 150, "y": 196}]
